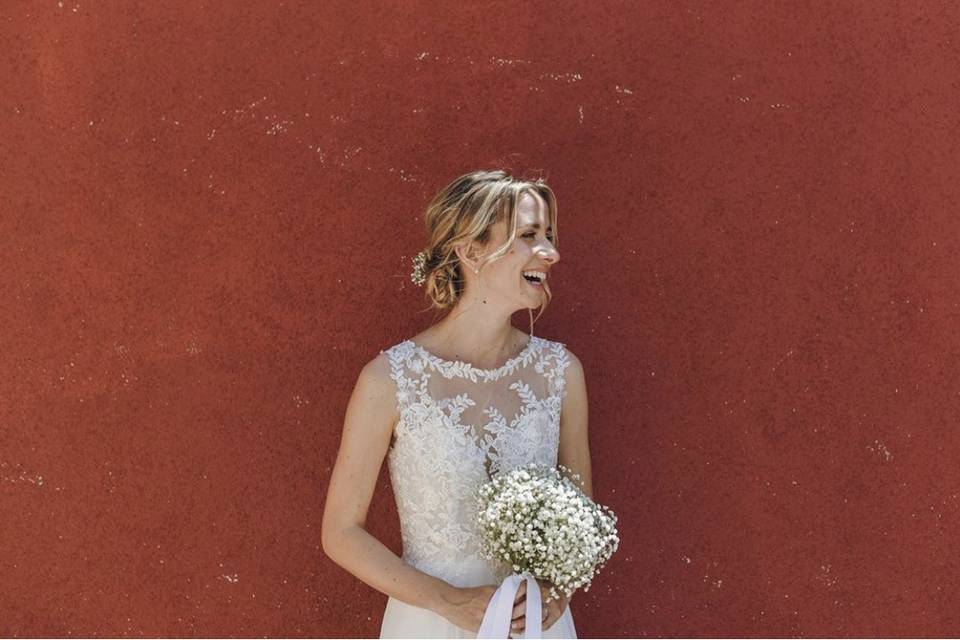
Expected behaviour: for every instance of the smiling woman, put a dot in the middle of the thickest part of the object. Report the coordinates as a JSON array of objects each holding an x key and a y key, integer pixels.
[{"x": 464, "y": 400}]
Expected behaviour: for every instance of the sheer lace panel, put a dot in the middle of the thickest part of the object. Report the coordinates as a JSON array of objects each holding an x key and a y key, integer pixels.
[{"x": 460, "y": 425}]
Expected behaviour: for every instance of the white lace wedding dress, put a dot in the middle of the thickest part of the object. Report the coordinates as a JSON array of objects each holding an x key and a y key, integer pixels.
[{"x": 459, "y": 425}]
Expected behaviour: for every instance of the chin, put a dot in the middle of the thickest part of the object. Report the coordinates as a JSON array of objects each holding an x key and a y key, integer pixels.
[{"x": 533, "y": 305}]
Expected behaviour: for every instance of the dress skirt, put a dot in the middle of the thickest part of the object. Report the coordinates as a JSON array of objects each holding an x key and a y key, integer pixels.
[{"x": 401, "y": 620}]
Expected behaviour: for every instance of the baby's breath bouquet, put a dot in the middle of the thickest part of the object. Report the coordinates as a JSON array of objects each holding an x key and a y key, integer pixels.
[{"x": 538, "y": 521}]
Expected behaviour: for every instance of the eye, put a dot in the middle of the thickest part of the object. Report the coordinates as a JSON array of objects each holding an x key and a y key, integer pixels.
[{"x": 531, "y": 234}]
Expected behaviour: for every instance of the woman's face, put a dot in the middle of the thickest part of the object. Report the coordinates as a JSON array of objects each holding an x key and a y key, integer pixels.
[{"x": 532, "y": 251}]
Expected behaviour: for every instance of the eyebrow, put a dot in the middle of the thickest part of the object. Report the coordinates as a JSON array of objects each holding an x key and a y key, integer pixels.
[{"x": 536, "y": 225}]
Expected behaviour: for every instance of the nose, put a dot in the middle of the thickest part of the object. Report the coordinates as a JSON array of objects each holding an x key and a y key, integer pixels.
[{"x": 549, "y": 253}]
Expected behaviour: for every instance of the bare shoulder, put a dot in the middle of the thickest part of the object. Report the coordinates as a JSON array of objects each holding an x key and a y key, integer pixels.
[
  {"x": 377, "y": 368},
  {"x": 574, "y": 360},
  {"x": 574, "y": 367},
  {"x": 575, "y": 385},
  {"x": 376, "y": 384}
]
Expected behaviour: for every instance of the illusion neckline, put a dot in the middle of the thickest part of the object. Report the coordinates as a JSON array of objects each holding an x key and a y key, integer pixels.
[{"x": 460, "y": 364}]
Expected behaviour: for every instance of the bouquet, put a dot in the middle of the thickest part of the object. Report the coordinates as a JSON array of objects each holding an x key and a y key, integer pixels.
[{"x": 538, "y": 521}]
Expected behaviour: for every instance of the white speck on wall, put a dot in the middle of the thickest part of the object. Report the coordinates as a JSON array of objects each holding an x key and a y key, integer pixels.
[
  {"x": 23, "y": 476},
  {"x": 242, "y": 110},
  {"x": 825, "y": 576},
  {"x": 569, "y": 77},
  {"x": 879, "y": 447},
  {"x": 580, "y": 109},
  {"x": 406, "y": 177},
  {"x": 279, "y": 125},
  {"x": 193, "y": 348},
  {"x": 508, "y": 62},
  {"x": 300, "y": 400}
]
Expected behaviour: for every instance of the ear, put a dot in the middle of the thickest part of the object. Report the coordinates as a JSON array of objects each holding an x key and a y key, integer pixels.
[{"x": 467, "y": 254}]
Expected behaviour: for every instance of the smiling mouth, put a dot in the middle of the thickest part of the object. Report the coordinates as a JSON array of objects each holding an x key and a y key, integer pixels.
[{"x": 534, "y": 282}]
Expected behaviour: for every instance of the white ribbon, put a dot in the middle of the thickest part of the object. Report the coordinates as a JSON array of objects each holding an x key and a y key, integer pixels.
[{"x": 499, "y": 613}]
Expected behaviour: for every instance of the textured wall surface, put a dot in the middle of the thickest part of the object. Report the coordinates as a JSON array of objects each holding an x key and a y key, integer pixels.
[{"x": 207, "y": 213}]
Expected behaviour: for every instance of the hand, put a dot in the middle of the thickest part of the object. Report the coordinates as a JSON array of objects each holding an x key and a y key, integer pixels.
[
  {"x": 552, "y": 610},
  {"x": 465, "y": 606}
]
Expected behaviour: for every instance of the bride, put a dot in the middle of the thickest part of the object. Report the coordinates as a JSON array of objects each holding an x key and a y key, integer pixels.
[{"x": 467, "y": 398}]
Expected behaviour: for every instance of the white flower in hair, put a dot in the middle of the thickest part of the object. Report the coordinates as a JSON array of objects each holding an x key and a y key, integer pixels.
[{"x": 419, "y": 274}]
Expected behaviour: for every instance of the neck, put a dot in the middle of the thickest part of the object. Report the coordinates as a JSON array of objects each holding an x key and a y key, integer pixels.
[{"x": 478, "y": 332}]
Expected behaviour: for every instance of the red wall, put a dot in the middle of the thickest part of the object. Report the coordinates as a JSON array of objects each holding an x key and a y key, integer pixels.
[{"x": 208, "y": 211}]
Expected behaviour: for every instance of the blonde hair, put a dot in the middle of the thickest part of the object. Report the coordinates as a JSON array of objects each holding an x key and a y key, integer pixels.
[{"x": 466, "y": 210}]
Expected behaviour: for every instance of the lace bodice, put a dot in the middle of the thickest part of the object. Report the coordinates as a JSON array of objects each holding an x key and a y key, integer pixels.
[{"x": 460, "y": 425}]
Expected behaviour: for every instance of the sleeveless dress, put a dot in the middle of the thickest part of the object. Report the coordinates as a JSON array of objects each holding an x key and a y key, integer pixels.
[{"x": 460, "y": 425}]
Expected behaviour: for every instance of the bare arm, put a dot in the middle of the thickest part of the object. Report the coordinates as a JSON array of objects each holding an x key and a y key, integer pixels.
[
  {"x": 368, "y": 427},
  {"x": 574, "y": 445}
]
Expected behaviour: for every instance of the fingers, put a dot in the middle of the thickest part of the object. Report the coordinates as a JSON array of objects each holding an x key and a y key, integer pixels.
[
  {"x": 521, "y": 592},
  {"x": 518, "y": 626},
  {"x": 552, "y": 617},
  {"x": 520, "y": 602},
  {"x": 519, "y": 623},
  {"x": 519, "y": 608}
]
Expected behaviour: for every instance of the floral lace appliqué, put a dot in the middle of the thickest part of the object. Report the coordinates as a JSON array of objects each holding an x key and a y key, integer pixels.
[{"x": 436, "y": 462}]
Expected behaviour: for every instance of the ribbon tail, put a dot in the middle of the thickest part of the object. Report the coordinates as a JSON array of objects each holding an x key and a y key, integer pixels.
[
  {"x": 496, "y": 618},
  {"x": 534, "y": 614}
]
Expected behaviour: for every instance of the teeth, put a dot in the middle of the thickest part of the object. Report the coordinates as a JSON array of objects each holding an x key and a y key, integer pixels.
[{"x": 539, "y": 274}]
